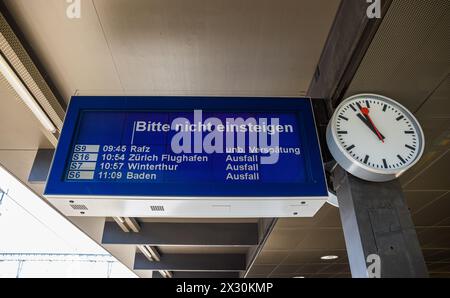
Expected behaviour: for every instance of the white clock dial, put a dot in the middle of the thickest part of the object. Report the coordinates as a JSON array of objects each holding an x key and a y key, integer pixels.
[{"x": 374, "y": 137}]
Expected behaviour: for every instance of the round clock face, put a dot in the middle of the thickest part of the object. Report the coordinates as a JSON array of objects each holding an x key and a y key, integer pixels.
[{"x": 374, "y": 137}]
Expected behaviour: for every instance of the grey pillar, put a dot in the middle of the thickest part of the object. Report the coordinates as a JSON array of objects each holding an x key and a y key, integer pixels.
[
  {"x": 41, "y": 166},
  {"x": 376, "y": 220}
]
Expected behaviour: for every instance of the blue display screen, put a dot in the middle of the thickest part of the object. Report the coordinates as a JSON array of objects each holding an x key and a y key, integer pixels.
[{"x": 172, "y": 146}]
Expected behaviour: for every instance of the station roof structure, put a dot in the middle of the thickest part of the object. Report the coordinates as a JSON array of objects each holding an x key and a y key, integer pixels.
[{"x": 238, "y": 48}]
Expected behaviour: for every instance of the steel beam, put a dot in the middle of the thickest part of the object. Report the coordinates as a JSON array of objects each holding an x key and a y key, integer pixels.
[
  {"x": 154, "y": 234},
  {"x": 377, "y": 221},
  {"x": 150, "y": 252},
  {"x": 132, "y": 224},
  {"x": 266, "y": 226},
  {"x": 193, "y": 262},
  {"x": 120, "y": 221},
  {"x": 348, "y": 41},
  {"x": 41, "y": 166}
]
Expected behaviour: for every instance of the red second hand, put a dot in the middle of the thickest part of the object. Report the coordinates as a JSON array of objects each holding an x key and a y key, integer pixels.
[{"x": 366, "y": 112}]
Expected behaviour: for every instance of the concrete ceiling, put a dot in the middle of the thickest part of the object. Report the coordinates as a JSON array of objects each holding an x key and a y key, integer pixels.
[
  {"x": 159, "y": 47},
  {"x": 20, "y": 135},
  {"x": 17, "y": 120}
]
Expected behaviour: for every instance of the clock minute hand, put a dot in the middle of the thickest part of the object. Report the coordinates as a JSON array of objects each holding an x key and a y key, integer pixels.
[
  {"x": 367, "y": 122},
  {"x": 366, "y": 112}
]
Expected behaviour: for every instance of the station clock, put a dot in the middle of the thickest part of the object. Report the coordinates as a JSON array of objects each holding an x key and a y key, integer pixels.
[{"x": 374, "y": 137}]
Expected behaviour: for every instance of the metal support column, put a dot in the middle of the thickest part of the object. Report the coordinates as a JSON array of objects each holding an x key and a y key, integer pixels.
[{"x": 376, "y": 221}]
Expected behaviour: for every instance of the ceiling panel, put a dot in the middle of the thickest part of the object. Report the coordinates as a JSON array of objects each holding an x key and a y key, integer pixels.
[
  {"x": 311, "y": 268},
  {"x": 416, "y": 200},
  {"x": 336, "y": 268},
  {"x": 307, "y": 264},
  {"x": 281, "y": 239},
  {"x": 445, "y": 222},
  {"x": 216, "y": 47},
  {"x": 323, "y": 238},
  {"x": 435, "y": 120},
  {"x": 331, "y": 219},
  {"x": 286, "y": 223},
  {"x": 74, "y": 52},
  {"x": 434, "y": 176},
  {"x": 414, "y": 50},
  {"x": 437, "y": 105},
  {"x": 284, "y": 269},
  {"x": 434, "y": 237},
  {"x": 271, "y": 257},
  {"x": 184, "y": 48},
  {"x": 19, "y": 128},
  {"x": 158, "y": 47},
  {"x": 264, "y": 270},
  {"x": 436, "y": 255},
  {"x": 433, "y": 213},
  {"x": 430, "y": 157},
  {"x": 439, "y": 267},
  {"x": 301, "y": 257}
]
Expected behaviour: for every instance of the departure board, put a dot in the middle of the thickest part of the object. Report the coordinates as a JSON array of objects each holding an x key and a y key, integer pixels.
[{"x": 172, "y": 146}]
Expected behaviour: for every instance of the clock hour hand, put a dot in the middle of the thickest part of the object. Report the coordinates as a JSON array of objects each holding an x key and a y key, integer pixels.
[
  {"x": 369, "y": 125},
  {"x": 366, "y": 113}
]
